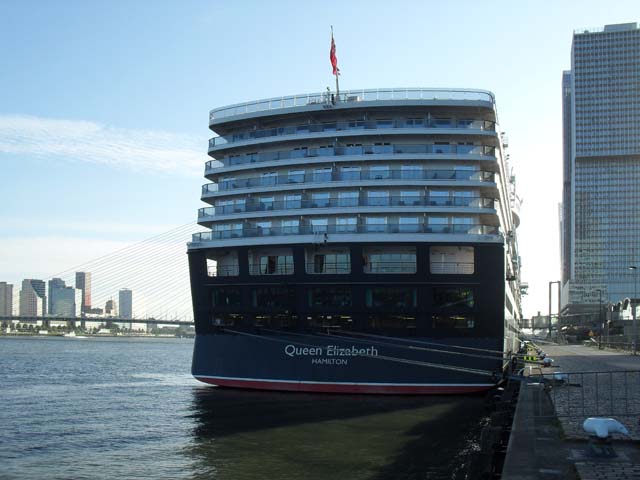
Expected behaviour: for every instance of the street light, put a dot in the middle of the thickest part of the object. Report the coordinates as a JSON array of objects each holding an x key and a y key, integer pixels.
[
  {"x": 559, "y": 286},
  {"x": 634, "y": 331},
  {"x": 600, "y": 318}
]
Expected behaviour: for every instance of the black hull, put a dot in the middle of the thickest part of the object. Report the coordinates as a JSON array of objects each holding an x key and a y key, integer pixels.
[{"x": 315, "y": 363}]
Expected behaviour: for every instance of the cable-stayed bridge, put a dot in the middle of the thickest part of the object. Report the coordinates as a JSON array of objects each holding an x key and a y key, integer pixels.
[{"x": 155, "y": 270}]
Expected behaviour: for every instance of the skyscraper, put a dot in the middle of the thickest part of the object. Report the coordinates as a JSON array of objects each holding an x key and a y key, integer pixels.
[
  {"x": 83, "y": 282},
  {"x": 601, "y": 189},
  {"x": 33, "y": 300},
  {"x": 125, "y": 299},
  {"x": 61, "y": 299},
  {"x": 6, "y": 299}
]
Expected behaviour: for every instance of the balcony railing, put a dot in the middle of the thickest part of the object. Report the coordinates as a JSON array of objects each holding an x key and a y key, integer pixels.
[
  {"x": 329, "y": 268},
  {"x": 223, "y": 270},
  {"x": 262, "y": 269},
  {"x": 350, "y": 96},
  {"x": 432, "y": 149},
  {"x": 452, "y": 267},
  {"x": 390, "y": 201},
  {"x": 248, "y": 232},
  {"x": 426, "y": 122},
  {"x": 337, "y": 176},
  {"x": 343, "y": 268},
  {"x": 390, "y": 267}
]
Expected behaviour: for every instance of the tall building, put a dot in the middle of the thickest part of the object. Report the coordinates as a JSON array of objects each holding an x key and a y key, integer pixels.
[
  {"x": 6, "y": 299},
  {"x": 33, "y": 300},
  {"x": 601, "y": 188},
  {"x": 111, "y": 308},
  {"x": 125, "y": 300},
  {"x": 83, "y": 283},
  {"x": 62, "y": 299}
]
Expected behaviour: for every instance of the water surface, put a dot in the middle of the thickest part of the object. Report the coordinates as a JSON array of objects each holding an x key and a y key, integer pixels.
[{"x": 101, "y": 408}]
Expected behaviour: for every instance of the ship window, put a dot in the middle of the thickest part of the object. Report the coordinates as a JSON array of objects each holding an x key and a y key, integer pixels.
[
  {"x": 290, "y": 226},
  {"x": 263, "y": 228},
  {"x": 336, "y": 263},
  {"x": 322, "y": 174},
  {"x": 266, "y": 203},
  {"x": 285, "y": 320},
  {"x": 273, "y": 265},
  {"x": 411, "y": 171},
  {"x": 274, "y": 297},
  {"x": 319, "y": 225},
  {"x": 226, "y": 319},
  {"x": 442, "y": 122},
  {"x": 350, "y": 173},
  {"x": 320, "y": 199},
  {"x": 453, "y": 297},
  {"x": 376, "y": 224},
  {"x": 439, "y": 197},
  {"x": 346, "y": 224},
  {"x": 398, "y": 262},
  {"x": 409, "y": 198},
  {"x": 414, "y": 122},
  {"x": 379, "y": 172},
  {"x": 330, "y": 297},
  {"x": 296, "y": 176},
  {"x": 348, "y": 199},
  {"x": 378, "y": 198},
  {"x": 391, "y": 297},
  {"x": 452, "y": 260},
  {"x": 293, "y": 201},
  {"x": 331, "y": 321},
  {"x": 391, "y": 321},
  {"x": 268, "y": 178},
  {"x": 227, "y": 296},
  {"x": 408, "y": 224},
  {"x": 457, "y": 321}
]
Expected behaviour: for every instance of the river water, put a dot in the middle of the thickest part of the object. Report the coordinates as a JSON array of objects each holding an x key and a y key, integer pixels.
[{"x": 102, "y": 408}]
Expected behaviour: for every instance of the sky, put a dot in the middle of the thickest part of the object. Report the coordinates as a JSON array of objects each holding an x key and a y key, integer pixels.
[{"x": 104, "y": 105}]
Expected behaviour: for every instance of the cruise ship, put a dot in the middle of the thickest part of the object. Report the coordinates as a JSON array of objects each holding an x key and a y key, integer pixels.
[{"x": 357, "y": 242}]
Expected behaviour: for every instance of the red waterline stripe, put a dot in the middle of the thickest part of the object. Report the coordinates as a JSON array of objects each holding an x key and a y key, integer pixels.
[{"x": 345, "y": 387}]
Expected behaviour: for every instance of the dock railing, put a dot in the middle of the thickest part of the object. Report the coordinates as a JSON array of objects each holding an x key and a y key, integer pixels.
[{"x": 595, "y": 394}]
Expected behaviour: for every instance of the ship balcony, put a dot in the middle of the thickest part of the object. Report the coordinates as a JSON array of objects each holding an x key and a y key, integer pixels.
[
  {"x": 465, "y": 204},
  {"x": 351, "y": 99},
  {"x": 333, "y": 178},
  {"x": 419, "y": 151},
  {"x": 484, "y": 128},
  {"x": 322, "y": 233}
]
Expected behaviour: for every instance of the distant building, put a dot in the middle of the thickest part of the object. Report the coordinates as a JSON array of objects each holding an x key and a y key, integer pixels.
[
  {"x": 601, "y": 187},
  {"x": 83, "y": 283},
  {"x": 6, "y": 299},
  {"x": 62, "y": 299},
  {"x": 33, "y": 300},
  {"x": 125, "y": 299},
  {"x": 111, "y": 308}
]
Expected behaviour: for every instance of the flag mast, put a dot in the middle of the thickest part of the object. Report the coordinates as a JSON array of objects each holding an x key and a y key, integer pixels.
[{"x": 334, "y": 64}]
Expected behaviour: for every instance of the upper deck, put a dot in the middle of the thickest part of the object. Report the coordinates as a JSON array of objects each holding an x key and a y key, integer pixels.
[{"x": 387, "y": 97}]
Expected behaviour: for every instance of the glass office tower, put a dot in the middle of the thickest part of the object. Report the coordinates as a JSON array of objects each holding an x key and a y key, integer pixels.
[{"x": 601, "y": 197}]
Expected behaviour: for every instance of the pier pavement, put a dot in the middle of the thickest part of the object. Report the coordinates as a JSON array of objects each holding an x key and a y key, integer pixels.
[{"x": 547, "y": 440}]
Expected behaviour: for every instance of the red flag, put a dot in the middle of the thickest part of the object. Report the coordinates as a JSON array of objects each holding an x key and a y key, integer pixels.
[{"x": 333, "y": 58}]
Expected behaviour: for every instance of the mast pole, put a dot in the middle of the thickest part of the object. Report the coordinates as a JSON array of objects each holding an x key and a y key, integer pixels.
[{"x": 337, "y": 74}]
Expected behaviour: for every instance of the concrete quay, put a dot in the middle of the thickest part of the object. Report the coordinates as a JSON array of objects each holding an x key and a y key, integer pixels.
[{"x": 547, "y": 440}]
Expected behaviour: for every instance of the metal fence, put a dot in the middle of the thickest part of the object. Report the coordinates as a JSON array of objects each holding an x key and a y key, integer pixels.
[{"x": 590, "y": 394}]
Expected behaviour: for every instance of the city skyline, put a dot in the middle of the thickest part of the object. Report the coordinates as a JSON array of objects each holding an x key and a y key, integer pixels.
[{"x": 115, "y": 106}]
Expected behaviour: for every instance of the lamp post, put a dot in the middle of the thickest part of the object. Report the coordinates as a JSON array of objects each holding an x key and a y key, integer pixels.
[
  {"x": 600, "y": 318},
  {"x": 550, "y": 284},
  {"x": 634, "y": 331}
]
